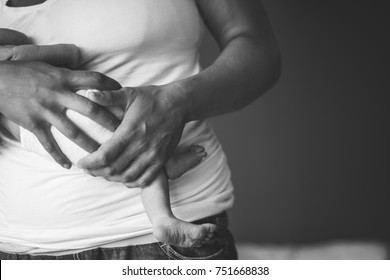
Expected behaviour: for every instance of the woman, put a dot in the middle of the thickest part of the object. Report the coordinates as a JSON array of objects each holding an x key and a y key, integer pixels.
[{"x": 69, "y": 214}]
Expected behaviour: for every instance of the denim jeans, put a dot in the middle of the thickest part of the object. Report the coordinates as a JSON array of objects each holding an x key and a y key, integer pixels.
[{"x": 221, "y": 247}]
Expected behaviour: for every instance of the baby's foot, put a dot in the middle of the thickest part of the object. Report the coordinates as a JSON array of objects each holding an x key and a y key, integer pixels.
[
  {"x": 184, "y": 159},
  {"x": 176, "y": 232}
]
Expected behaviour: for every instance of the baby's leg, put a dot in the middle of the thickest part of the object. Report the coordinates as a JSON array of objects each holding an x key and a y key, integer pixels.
[{"x": 166, "y": 227}]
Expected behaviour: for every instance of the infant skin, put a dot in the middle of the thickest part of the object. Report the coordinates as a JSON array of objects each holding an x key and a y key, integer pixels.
[{"x": 15, "y": 46}]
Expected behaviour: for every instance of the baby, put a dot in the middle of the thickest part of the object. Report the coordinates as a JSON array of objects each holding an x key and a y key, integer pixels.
[{"x": 15, "y": 46}]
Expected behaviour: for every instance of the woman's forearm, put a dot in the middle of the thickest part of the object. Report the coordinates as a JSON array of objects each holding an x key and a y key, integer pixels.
[
  {"x": 247, "y": 67},
  {"x": 244, "y": 71},
  {"x": 154, "y": 116}
]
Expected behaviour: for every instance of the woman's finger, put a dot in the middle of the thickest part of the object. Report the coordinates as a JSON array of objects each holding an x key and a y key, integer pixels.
[
  {"x": 61, "y": 55},
  {"x": 149, "y": 175},
  {"x": 110, "y": 150},
  {"x": 91, "y": 110},
  {"x": 73, "y": 132},
  {"x": 50, "y": 145},
  {"x": 116, "y": 168},
  {"x": 117, "y": 111},
  {"x": 182, "y": 160},
  {"x": 77, "y": 80},
  {"x": 129, "y": 175},
  {"x": 113, "y": 98},
  {"x": 133, "y": 172}
]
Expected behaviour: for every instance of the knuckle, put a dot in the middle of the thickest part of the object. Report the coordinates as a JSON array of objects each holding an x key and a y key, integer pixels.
[
  {"x": 157, "y": 160},
  {"x": 96, "y": 77},
  {"x": 113, "y": 123},
  {"x": 91, "y": 108},
  {"x": 60, "y": 73},
  {"x": 138, "y": 168},
  {"x": 48, "y": 147},
  {"x": 33, "y": 127},
  {"x": 16, "y": 56},
  {"x": 109, "y": 171},
  {"x": 106, "y": 96},
  {"x": 144, "y": 182},
  {"x": 104, "y": 158},
  {"x": 72, "y": 132},
  {"x": 128, "y": 178},
  {"x": 154, "y": 155},
  {"x": 49, "y": 71}
]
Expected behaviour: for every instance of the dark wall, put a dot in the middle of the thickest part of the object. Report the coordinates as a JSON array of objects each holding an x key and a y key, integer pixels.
[{"x": 310, "y": 159}]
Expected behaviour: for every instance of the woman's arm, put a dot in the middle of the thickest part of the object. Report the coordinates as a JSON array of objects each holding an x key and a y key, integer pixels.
[
  {"x": 248, "y": 66},
  {"x": 66, "y": 55},
  {"x": 16, "y": 46},
  {"x": 155, "y": 115}
]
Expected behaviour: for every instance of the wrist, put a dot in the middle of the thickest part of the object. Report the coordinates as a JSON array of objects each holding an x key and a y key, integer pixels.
[
  {"x": 177, "y": 101},
  {"x": 192, "y": 97}
]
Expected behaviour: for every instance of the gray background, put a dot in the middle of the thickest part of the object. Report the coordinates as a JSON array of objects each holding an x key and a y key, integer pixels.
[{"x": 310, "y": 159}]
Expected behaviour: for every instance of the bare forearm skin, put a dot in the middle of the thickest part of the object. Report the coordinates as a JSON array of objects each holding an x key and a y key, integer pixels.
[
  {"x": 247, "y": 67},
  {"x": 241, "y": 74}
]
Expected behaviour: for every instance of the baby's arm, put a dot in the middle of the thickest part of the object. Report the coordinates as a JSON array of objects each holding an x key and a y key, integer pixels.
[{"x": 15, "y": 46}]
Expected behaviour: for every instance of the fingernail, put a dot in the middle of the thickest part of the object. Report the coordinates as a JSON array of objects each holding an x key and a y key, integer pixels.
[
  {"x": 95, "y": 92},
  {"x": 66, "y": 166},
  {"x": 203, "y": 155},
  {"x": 86, "y": 171},
  {"x": 142, "y": 184}
]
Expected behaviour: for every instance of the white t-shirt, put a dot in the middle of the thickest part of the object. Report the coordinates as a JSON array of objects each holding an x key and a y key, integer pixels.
[{"x": 48, "y": 209}]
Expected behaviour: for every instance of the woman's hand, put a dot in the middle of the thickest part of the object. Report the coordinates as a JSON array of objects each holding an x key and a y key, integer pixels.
[
  {"x": 247, "y": 67},
  {"x": 60, "y": 55},
  {"x": 151, "y": 128},
  {"x": 36, "y": 96}
]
